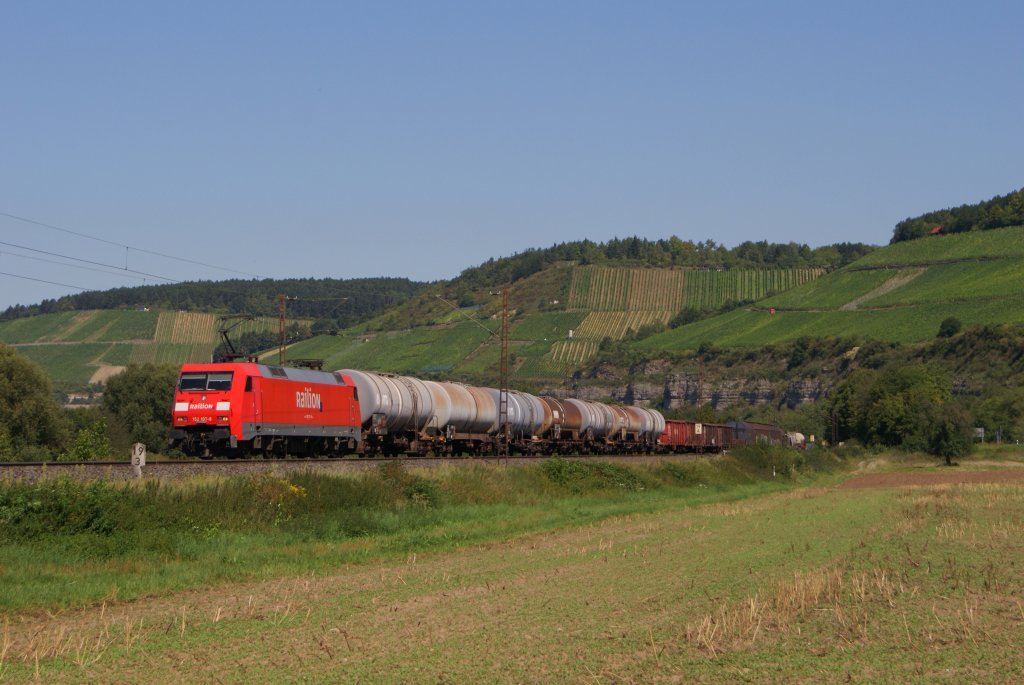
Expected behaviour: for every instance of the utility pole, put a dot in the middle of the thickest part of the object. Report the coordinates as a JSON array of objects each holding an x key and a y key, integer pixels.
[
  {"x": 566, "y": 378},
  {"x": 700, "y": 380},
  {"x": 504, "y": 431},
  {"x": 282, "y": 337},
  {"x": 503, "y": 390}
]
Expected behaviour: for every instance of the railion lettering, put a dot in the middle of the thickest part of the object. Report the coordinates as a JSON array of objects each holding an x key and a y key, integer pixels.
[{"x": 307, "y": 399}]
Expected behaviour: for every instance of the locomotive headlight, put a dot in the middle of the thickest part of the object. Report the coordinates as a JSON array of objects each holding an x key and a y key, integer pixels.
[
  {"x": 182, "y": 419},
  {"x": 222, "y": 418}
]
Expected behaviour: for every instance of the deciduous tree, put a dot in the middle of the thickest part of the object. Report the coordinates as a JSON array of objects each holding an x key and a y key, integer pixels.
[
  {"x": 32, "y": 424},
  {"x": 139, "y": 398}
]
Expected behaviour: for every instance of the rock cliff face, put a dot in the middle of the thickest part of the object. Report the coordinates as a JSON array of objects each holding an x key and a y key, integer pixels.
[
  {"x": 686, "y": 390},
  {"x": 645, "y": 394},
  {"x": 804, "y": 391},
  {"x": 737, "y": 380},
  {"x": 719, "y": 393},
  {"x": 774, "y": 376}
]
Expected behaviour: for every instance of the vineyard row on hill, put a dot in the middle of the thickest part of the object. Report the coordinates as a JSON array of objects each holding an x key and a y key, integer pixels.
[
  {"x": 711, "y": 289},
  {"x": 615, "y": 325},
  {"x": 573, "y": 351},
  {"x": 656, "y": 290},
  {"x": 619, "y": 289}
]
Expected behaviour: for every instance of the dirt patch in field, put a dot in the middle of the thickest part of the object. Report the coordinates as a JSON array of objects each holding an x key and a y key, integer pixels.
[
  {"x": 104, "y": 373},
  {"x": 897, "y": 281},
  {"x": 946, "y": 477}
]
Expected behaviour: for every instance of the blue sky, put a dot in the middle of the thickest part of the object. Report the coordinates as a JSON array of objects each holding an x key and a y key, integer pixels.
[{"x": 337, "y": 139}]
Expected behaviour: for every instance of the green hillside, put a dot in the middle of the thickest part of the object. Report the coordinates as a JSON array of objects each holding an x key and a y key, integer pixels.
[
  {"x": 82, "y": 347},
  {"x": 418, "y": 351},
  {"x": 338, "y": 303},
  {"x": 900, "y": 293},
  {"x": 995, "y": 243},
  {"x": 558, "y": 318},
  {"x": 561, "y": 314},
  {"x": 999, "y": 212},
  {"x": 564, "y": 300}
]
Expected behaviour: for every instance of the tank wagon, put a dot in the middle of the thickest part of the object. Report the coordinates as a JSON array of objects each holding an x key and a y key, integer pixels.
[{"x": 247, "y": 409}]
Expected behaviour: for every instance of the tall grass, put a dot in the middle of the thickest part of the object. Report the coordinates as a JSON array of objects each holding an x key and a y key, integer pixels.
[{"x": 66, "y": 543}]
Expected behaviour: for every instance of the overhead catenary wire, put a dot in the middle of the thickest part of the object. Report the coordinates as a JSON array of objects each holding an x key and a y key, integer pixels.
[
  {"x": 127, "y": 247},
  {"x": 118, "y": 272},
  {"x": 40, "y": 280},
  {"x": 88, "y": 261},
  {"x": 114, "y": 269}
]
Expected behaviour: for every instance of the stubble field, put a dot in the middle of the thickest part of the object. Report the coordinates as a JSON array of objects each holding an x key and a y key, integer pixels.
[{"x": 884, "y": 578}]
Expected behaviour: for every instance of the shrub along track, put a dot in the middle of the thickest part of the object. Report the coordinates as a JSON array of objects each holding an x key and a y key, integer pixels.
[{"x": 184, "y": 469}]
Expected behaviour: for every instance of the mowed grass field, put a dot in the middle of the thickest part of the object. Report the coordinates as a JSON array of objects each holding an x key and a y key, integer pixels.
[
  {"x": 901, "y": 580},
  {"x": 414, "y": 351},
  {"x": 72, "y": 346},
  {"x": 71, "y": 365}
]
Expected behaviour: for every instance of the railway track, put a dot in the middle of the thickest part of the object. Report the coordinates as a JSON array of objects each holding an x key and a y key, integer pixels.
[{"x": 185, "y": 469}]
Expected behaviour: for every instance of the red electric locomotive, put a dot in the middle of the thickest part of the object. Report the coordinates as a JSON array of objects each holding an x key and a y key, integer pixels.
[{"x": 241, "y": 409}]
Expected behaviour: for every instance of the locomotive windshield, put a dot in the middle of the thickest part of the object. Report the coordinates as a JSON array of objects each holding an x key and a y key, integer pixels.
[{"x": 220, "y": 380}]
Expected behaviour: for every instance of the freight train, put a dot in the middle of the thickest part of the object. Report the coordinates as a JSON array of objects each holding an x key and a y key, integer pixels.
[{"x": 248, "y": 409}]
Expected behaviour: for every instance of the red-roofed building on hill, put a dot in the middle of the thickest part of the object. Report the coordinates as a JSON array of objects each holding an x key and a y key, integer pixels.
[{"x": 936, "y": 230}]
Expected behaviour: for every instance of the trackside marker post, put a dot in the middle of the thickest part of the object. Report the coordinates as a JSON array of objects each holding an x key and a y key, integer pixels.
[{"x": 138, "y": 458}]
